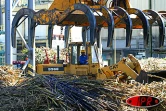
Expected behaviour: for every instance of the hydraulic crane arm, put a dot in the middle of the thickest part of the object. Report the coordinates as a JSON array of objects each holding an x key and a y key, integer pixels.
[
  {"x": 120, "y": 66},
  {"x": 131, "y": 68}
]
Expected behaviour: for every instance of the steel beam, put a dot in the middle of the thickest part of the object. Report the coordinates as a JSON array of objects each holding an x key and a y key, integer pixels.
[
  {"x": 8, "y": 22},
  {"x": 50, "y": 32},
  {"x": 1, "y": 14},
  {"x": 31, "y": 38},
  {"x": 26, "y": 45}
]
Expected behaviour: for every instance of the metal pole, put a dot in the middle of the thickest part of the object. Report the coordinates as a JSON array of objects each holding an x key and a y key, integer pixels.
[
  {"x": 151, "y": 39},
  {"x": 150, "y": 35},
  {"x": 8, "y": 22},
  {"x": 0, "y": 14},
  {"x": 114, "y": 48},
  {"x": 31, "y": 5},
  {"x": 26, "y": 45},
  {"x": 57, "y": 53},
  {"x": 150, "y": 4}
]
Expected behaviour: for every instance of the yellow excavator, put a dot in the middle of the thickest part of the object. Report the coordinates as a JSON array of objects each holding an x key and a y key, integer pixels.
[
  {"x": 94, "y": 68},
  {"x": 92, "y": 14}
]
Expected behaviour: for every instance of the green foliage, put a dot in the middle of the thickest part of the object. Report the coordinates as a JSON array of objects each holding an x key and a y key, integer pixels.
[{"x": 24, "y": 51}]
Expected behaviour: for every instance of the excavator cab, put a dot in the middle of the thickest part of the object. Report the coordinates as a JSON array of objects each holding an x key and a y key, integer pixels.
[
  {"x": 74, "y": 66},
  {"x": 77, "y": 48}
]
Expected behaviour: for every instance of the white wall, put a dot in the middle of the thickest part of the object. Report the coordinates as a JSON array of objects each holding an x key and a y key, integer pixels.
[
  {"x": 157, "y": 5},
  {"x": 76, "y": 34},
  {"x": 57, "y": 30}
]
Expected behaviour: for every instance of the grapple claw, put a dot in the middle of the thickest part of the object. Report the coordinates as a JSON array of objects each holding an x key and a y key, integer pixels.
[
  {"x": 91, "y": 18},
  {"x": 158, "y": 18},
  {"x": 125, "y": 16},
  {"x": 66, "y": 35},
  {"x": 22, "y": 12},
  {"x": 145, "y": 23},
  {"x": 110, "y": 21}
]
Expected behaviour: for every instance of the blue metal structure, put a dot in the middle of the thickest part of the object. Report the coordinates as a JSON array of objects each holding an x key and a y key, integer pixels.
[
  {"x": 31, "y": 38},
  {"x": 8, "y": 22}
]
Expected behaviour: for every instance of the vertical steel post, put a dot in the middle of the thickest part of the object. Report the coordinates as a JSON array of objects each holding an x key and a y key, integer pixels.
[
  {"x": 114, "y": 47},
  {"x": 57, "y": 53},
  {"x": 0, "y": 13},
  {"x": 31, "y": 40},
  {"x": 8, "y": 22},
  {"x": 50, "y": 33},
  {"x": 88, "y": 35},
  {"x": 150, "y": 35}
]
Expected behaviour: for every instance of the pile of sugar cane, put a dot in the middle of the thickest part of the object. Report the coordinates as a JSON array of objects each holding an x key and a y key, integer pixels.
[{"x": 64, "y": 92}]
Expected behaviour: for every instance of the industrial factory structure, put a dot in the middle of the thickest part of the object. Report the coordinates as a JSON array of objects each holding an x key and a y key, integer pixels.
[{"x": 110, "y": 54}]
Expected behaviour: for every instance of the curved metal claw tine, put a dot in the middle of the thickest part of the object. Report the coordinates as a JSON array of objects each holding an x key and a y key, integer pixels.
[
  {"x": 88, "y": 12},
  {"x": 50, "y": 33},
  {"x": 160, "y": 21},
  {"x": 91, "y": 18},
  {"x": 66, "y": 36},
  {"x": 110, "y": 21},
  {"x": 16, "y": 19},
  {"x": 145, "y": 23},
  {"x": 128, "y": 21},
  {"x": 84, "y": 31}
]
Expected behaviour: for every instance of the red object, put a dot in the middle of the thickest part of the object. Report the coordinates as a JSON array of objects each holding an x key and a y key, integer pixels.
[
  {"x": 14, "y": 62},
  {"x": 26, "y": 58},
  {"x": 66, "y": 57},
  {"x": 47, "y": 61},
  {"x": 54, "y": 58},
  {"x": 143, "y": 101},
  {"x": 23, "y": 62}
]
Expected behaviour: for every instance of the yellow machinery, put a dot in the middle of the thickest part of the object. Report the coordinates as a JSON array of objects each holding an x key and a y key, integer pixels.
[
  {"x": 92, "y": 14},
  {"x": 94, "y": 68}
]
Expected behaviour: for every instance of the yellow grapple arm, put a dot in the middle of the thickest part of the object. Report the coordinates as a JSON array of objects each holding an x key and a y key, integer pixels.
[{"x": 131, "y": 68}]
